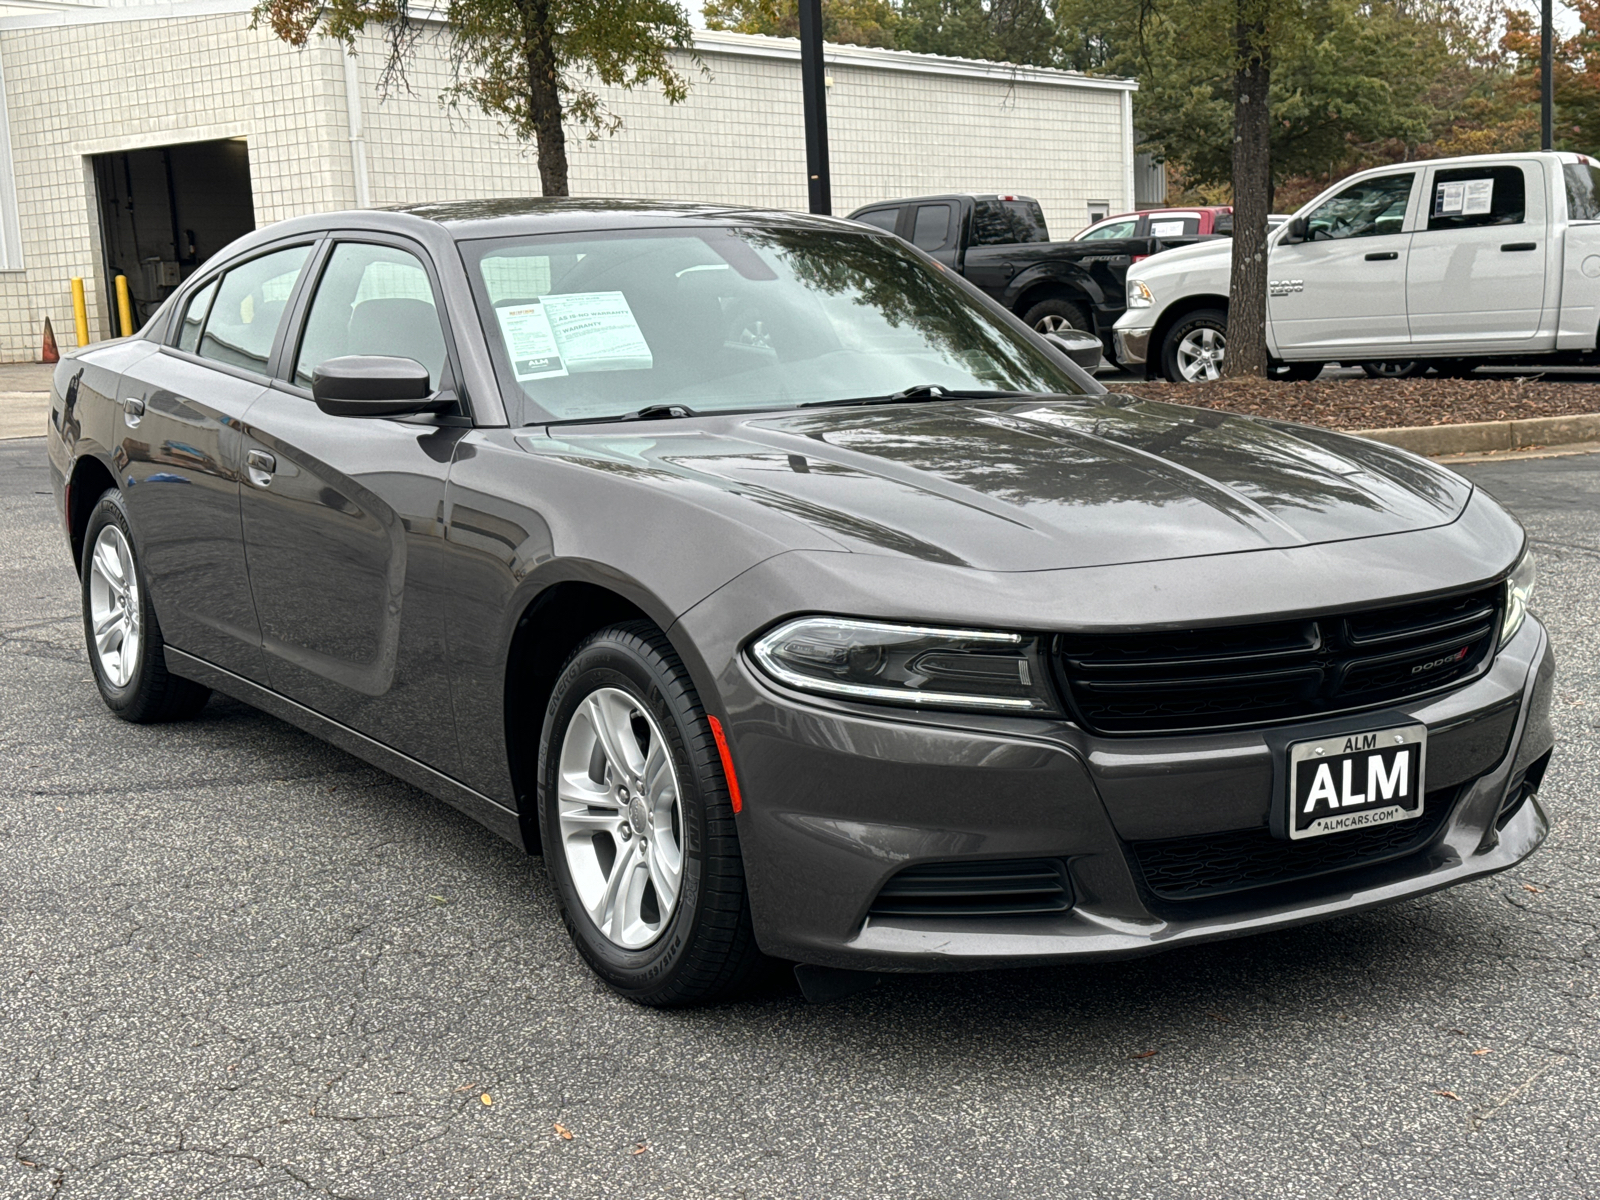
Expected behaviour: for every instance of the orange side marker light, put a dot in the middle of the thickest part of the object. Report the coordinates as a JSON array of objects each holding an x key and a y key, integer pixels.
[{"x": 727, "y": 763}]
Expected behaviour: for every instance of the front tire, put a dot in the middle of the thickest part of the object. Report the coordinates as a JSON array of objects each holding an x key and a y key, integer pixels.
[
  {"x": 638, "y": 827},
  {"x": 126, "y": 650},
  {"x": 1194, "y": 349}
]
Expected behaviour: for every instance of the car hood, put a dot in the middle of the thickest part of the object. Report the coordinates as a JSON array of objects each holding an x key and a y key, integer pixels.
[
  {"x": 1043, "y": 485},
  {"x": 1213, "y": 252}
]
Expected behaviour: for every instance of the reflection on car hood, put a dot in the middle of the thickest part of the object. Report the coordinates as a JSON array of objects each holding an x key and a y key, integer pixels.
[{"x": 1008, "y": 486}]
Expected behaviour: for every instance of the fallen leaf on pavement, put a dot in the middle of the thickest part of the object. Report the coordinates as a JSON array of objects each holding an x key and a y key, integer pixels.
[
  {"x": 1448, "y": 1095},
  {"x": 465, "y": 1087},
  {"x": 485, "y": 1098},
  {"x": 1146, "y": 1054},
  {"x": 1476, "y": 1053},
  {"x": 563, "y": 1132},
  {"x": 640, "y": 1147},
  {"x": 1528, "y": 887}
]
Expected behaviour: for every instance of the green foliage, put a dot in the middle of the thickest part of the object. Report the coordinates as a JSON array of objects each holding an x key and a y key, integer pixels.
[
  {"x": 534, "y": 64},
  {"x": 844, "y": 22},
  {"x": 1344, "y": 72}
]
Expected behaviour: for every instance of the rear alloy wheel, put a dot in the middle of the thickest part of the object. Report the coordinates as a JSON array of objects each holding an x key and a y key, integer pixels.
[
  {"x": 638, "y": 827},
  {"x": 1400, "y": 369},
  {"x": 1196, "y": 347},
  {"x": 126, "y": 650}
]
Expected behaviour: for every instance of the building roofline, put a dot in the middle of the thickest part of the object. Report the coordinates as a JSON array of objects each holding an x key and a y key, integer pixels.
[
  {"x": 716, "y": 41},
  {"x": 706, "y": 41}
]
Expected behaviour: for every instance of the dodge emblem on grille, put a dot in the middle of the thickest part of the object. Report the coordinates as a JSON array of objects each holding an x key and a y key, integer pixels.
[{"x": 1440, "y": 662}]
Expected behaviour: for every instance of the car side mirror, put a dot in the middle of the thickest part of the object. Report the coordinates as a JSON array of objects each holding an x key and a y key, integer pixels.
[
  {"x": 371, "y": 385},
  {"x": 1082, "y": 348},
  {"x": 1299, "y": 231}
]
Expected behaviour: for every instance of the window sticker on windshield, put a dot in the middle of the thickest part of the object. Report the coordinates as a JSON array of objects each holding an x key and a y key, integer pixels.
[
  {"x": 595, "y": 331},
  {"x": 530, "y": 342},
  {"x": 1166, "y": 228},
  {"x": 571, "y": 334}
]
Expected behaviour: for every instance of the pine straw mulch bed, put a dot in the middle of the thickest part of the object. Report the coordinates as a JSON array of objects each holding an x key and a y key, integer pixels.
[{"x": 1380, "y": 403}]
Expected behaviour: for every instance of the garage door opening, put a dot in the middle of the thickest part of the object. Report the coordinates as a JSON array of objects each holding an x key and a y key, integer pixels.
[{"x": 164, "y": 211}]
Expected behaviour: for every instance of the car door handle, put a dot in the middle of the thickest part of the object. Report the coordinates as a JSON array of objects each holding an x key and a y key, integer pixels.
[
  {"x": 132, "y": 410},
  {"x": 1383, "y": 256},
  {"x": 1513, "y": 247},
  {"x": 261, "y": 466}
]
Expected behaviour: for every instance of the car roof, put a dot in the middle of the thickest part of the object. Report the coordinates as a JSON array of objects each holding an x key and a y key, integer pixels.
[
  {"x": 472, "y": 219},
  {"x": 946, "y": 196}
]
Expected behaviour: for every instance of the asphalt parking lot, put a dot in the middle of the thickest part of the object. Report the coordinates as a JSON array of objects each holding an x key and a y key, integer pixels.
[{"x": 237, "y": 962}]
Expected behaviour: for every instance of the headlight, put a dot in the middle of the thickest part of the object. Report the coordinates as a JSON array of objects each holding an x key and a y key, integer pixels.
[
  {"x": 1519, "y": 592},
  {"x": 1138, "y": 295},
  {"x": 907, "y": 664}
]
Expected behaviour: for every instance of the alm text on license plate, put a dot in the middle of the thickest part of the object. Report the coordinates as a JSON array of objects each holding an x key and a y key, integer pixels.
[{"x": 1356, "y": 780}]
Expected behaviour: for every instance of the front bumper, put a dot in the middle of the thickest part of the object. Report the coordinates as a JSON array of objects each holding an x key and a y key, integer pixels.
[
  {"x": 838, "y": 800},
  {"x": 1132, "y": 345}
]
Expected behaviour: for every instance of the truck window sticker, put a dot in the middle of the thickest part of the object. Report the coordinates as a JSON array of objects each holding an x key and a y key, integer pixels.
[{"x": 1464, "y": 198}]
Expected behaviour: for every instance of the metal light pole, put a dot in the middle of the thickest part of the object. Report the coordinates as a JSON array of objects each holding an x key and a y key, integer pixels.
[
  {"x": 1547, "y": 83},
  {"x": 814, "y": 89}
]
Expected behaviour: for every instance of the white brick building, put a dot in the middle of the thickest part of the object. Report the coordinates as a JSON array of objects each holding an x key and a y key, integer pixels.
[{"x": 141, "y": 138}]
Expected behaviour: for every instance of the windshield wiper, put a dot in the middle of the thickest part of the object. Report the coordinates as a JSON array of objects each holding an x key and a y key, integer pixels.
[
  {"x": 650, "y": 412},
  {"x": 924, "y": 391}
]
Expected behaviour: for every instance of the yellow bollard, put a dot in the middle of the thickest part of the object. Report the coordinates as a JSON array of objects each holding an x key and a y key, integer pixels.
[
  {"x": 124, "y": 306},
  {"x": 80, "y": 311}
]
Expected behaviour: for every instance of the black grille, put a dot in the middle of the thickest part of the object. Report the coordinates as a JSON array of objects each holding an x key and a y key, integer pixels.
[
  {"x": 976, "y": 889},
  {"x": 1214, "y": 864},
  {"x": 1252, "y": 674}
]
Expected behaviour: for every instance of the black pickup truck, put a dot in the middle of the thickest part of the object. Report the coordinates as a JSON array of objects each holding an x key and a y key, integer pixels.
[{"x": 1001, "y": 244}]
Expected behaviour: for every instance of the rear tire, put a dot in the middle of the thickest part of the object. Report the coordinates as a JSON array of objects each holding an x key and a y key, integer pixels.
[
  {"x": 126, "y": 650},
  {"x": 1402, "y": 369},
  {"x": 1296, "y": 372},
  {"x": 638, "y": 828},
  {"x": 1054, "y": 315}
]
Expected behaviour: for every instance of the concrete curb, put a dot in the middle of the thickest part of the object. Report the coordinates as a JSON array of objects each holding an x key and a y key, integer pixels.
[{"x": 1485, "y": 437}]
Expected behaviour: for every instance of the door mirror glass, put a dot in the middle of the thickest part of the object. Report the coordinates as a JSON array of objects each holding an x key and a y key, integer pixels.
[{"x": 372, "y": 385}]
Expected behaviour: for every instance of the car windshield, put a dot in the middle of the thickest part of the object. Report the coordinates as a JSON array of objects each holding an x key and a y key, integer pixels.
[{"x": 597, "y": 325}]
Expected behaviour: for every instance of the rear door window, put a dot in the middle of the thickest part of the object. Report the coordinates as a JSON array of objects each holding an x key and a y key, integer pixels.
[
  {"x": 249, "y": 307},
  {"x": 1468, "y": 197},
  {"x": 931, "y": 230}
]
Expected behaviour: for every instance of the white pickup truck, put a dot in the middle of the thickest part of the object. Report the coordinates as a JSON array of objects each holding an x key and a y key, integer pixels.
[{"x": 1447, "y": 264}]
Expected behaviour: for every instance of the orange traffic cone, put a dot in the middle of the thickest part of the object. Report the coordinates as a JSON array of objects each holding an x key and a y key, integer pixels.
[{"x": 49, "y": 354}]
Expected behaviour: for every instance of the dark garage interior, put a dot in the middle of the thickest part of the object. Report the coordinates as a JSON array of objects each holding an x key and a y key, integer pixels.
[{"x": 164, "y": 211}]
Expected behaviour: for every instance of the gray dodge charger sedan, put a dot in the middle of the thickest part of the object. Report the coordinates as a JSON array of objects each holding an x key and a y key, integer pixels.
[{"x": 796, "y": 601}]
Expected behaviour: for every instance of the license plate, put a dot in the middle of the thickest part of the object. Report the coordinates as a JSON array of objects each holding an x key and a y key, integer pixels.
[{"x": 1356, "y": 780}]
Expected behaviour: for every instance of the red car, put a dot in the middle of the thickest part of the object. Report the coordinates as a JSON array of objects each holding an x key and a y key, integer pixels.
[{"x": 1162, "y": 223}]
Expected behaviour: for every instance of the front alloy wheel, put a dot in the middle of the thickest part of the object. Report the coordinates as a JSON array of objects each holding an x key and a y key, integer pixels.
[
  {"x": 1200, "y": 354},
  {"x": 621, "y": 818},
  {"x": 637, "y": 824}
]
